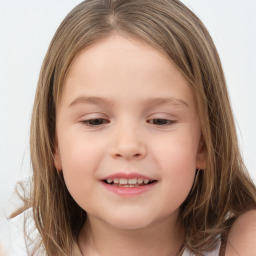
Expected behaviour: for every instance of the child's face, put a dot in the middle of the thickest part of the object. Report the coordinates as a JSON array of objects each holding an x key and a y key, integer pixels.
[{"x": 143, "y": 121}]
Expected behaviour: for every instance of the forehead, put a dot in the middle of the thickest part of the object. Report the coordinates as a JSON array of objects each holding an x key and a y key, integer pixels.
[
  {"x": 123, "y": 52},
  {"x": 119, "y": 65}
]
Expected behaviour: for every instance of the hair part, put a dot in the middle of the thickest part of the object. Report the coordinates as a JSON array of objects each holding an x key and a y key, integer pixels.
[{"x": 222, "y": 191}]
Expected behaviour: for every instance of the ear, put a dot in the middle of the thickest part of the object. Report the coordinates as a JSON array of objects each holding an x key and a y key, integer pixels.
[
  {"x": 201, "y": 155},
  {"x": 57, "y": 159}
]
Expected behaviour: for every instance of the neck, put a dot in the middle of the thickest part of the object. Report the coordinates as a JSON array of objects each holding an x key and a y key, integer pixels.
[{"x": 99, "y": 239}]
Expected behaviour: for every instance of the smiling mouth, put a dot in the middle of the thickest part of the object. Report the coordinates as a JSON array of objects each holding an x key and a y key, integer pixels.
[{"x": 135, "y": 182}]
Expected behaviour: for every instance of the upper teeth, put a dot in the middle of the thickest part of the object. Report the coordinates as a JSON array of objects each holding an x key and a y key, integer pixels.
[{"x": 128, "y": 181}]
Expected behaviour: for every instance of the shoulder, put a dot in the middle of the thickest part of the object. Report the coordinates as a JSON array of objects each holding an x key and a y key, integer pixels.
[{"x": 242, "y": 237}]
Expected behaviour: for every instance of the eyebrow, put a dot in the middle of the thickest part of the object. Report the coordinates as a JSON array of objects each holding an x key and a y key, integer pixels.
[
  {"x": 161, "y": 101},
  {"x": 91, "y": 100},
  {"x": 105, "y": 101}
]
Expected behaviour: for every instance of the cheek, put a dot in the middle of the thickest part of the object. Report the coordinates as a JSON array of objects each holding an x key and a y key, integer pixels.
[
  {"x": 176, "y": 153},
  {"x": 178, "y": 177},
  {"x": 80, "y": 158},
  {"x": 179, "y": 171},
  {"x": 177, "y": 161},
  {"x": 79, "y": 151},
  {"x": 180, "y": 160}
]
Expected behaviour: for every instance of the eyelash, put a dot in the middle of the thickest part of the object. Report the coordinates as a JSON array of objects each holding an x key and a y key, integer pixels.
[
  {"x": 169, "y": 122},
  {"x": 89, "y": 122}
]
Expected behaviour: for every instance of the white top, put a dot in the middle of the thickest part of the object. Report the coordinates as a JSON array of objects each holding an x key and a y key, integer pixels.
[{"x": 213, "y": 253}]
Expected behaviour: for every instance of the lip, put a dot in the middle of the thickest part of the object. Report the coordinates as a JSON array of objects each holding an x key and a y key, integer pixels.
[
  {"x": 130, "y": 175},
  {"x": 128, "y": 191}
]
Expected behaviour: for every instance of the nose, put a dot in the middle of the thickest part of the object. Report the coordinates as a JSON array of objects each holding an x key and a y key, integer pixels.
[{"x": 128, "y": 144}]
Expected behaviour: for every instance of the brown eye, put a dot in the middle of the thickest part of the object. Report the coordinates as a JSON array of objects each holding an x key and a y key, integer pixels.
[
  {"x": 95, "y": 122},
  {"x": 160, "y": 121}
]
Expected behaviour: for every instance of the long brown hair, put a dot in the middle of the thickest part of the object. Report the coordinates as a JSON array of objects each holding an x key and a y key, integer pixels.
[{"x": 220, "y": 193}]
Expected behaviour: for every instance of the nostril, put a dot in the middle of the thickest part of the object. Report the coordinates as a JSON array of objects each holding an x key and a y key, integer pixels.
[
  {"x": 128, "y": 151},
  {"x": 128, "y": 155}
]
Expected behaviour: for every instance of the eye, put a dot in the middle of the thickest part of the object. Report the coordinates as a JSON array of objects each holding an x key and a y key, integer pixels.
[
  {"x": 95, "y": 122},
  {"x": 161, "y": 121}
]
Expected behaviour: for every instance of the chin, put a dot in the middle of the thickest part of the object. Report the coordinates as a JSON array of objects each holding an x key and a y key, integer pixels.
[
  {"x": 128, "y": 221},
  {"x": 130, "y": 224}
]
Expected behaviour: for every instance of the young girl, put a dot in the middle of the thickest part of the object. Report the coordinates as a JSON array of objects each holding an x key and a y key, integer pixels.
[{"x": 133, "y": 143}]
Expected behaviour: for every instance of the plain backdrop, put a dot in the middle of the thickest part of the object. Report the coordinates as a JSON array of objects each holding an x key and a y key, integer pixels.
[{"x": 27, "y": 27}]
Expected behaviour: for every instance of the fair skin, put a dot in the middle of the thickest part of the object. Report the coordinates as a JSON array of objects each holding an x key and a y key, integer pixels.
[
  {"x": 242, "y": 236},
  {"x": 126, "y": 108},
  {"x": 148, "y": 124},
  {"x": 2, "y": 251}
]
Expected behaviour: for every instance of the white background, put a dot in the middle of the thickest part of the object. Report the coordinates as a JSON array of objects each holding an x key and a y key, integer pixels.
[{"x": 27, "y": 27}]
